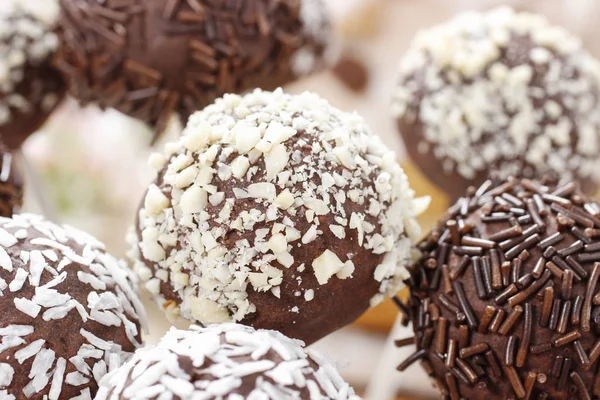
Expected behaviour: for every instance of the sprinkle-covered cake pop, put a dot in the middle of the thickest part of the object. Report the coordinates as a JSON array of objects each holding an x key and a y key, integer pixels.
[
  {"x": 499, "y": 91},
  {"x": 150, "y": 58},
  {"x": 226, "y": 361},
  {"x": 29, "y": 87},
  {"x": 11, "y": 183},
  {"x": 278, "y": 211},
  {"x": 505, "y": 301},
  {"x": 69, "y": 311}
]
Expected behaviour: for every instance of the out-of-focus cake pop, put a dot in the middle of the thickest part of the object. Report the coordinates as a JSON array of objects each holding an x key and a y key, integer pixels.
[
  {"x": 150, "y": 58},
  {"x": 277, "y": 211},
  {"x": 30, "y": 88},
  {"x": 226, "y": 361},
  {"x": 70, "y": 312},
  {"x": 504, "y": 301},
  {"x": 499, "y": 91}
]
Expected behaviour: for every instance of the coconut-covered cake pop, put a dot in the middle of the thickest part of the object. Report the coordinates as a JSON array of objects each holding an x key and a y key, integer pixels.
[
  {"x": 11, "y": 183},
  {"x": 505, "y": 301},
  {"x": 275, "y": 210},
  {"x": 30, "y": 88},
  {"x": 500, "y": 91},
  {"x": 226, "y": 361},
  {"x": 150, "y": 58},
  {"x": 69, "y": 311}
]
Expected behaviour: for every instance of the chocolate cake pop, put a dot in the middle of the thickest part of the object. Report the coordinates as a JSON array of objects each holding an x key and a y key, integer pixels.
[
  {"x": 29, "y": 87},
  {"x": 11, "y": 184},
  {"x": 69, "y": 310},
  {"x": 277, "y": 211},
  {"x": 504, "y": 301},
  {"x": 226, "y": 361},
  {"x": 500, "y": 91},
  {"x": 150, "y": 58}
]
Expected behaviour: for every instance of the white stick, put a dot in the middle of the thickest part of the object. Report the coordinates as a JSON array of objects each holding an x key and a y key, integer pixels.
[
  {"x": 35, "y": 183},
  {"x": 385, "y": 379}
]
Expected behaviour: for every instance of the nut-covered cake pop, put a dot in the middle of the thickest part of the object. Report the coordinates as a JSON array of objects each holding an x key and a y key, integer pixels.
[
  {"x": 277, "y": 211},
  {"x": 11, "y": 183},
  {"x": 69, "y": 311},
  {"x": 499, "y": 91},
  {"x": 150, "y": 58},
  {"x": 29, "y": 86},
  {"x": 226, "y": 361},
  {"x": 505, "y": 300}
]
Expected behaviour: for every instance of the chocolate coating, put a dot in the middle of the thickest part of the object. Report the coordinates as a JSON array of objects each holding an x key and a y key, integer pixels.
[
  {"x": 70, "y": 312},
  {"x": 277, "y": 211},
  {"x": 149, "y": 59},
  {"x": 508, "y": 92},
  {"x": 227, "y": 361},
  {"x": 30, "y": 88},
  {"x": 515, "y": 283}
]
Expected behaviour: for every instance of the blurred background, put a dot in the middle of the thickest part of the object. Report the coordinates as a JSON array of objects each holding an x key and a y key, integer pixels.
[{"x": 88, "y": 168}]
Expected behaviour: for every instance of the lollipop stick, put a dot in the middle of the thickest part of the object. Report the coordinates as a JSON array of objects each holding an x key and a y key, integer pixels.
[
  {"x": 385, "y": 380},
  {"x": 35, "y": 183}
]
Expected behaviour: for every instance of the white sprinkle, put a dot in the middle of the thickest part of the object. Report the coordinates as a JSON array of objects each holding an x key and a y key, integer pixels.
[
  {"x": 6, "y": 375},
  {"x": 27, "y": 306},
  {"x": 57, "y": 379},
  {"x": 29, "y": 351}
]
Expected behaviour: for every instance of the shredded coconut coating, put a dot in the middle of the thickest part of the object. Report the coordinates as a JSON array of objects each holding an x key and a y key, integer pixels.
[
  {"x": 254, "y": 181},
  {"x": 26, "y": 39},
  {"x": 502, "y": 90},
  {"x": 226, "y": 361},
  {"x": 70, "y": 312}
]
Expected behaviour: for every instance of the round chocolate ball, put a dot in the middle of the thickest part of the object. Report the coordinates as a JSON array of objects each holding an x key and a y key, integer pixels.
[
  {"x": 499, "y": 91},
  {"x": 11, "y": 183},
  {"x": 226, "y": 361},
  {"x": 277, "y": 211},
  {"x": 504, "y": 300},
  {"x": 150, "y": 58},
  {"x": 30, "y": 88},
  {"x": 70, "y": 312}
]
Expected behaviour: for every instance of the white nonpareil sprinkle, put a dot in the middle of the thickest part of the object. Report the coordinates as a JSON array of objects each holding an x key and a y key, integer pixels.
[
  {"x": 288, "y": 159},
  {"x": 486, "y": 88},
  {"x": 219, "y": 355},
  {"x": 27, "y": 37},
  {"x": 98, "y": 293}
]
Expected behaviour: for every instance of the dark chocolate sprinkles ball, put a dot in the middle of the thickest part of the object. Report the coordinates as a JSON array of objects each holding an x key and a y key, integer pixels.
[
  {"x": 11, "y": 184},
  {"x": 500, "y": 91},
  {"x": 505, "y": 301},
  {"x": 30, "y": 88},
  {"x": 150, "y": 58}
]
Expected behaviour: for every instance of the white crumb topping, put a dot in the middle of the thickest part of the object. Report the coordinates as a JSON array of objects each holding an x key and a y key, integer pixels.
[
  {"x": 227, "y": 361},
  {"x": 491, "y": 87},
  {"x": 26, "y": 38},
  {"x": 60, "y": 272},
  {"x": 213, "y": 227}
]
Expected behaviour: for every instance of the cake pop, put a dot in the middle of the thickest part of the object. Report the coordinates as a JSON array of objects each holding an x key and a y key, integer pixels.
[
  {"x": 278, "y": 211},
  {"x": 70, "y": 312},
  {"x": 11, "y": 183},
  {"x": 500, "y": 91},
  {"x": 504, "y": 301},
  {"x": 150, "y": 58},
  {"x": 226, "y": 361},
  {"x": 30, "y": 88}
]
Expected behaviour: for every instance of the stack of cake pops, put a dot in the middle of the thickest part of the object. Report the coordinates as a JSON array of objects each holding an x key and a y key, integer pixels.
[{"x": 274, "y": 219}]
